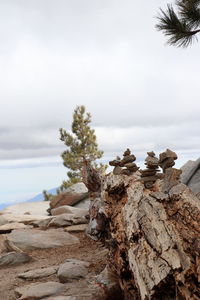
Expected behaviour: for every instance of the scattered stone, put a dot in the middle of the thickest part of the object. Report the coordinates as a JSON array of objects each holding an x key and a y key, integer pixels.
[
  {"x": 149, "y": 175},
  {"x": 72, "y": 269},
  {"x": 13, "y": 259},
  {"x": 7, "y": 228},
  {"x": 36, "y": 291},
  {"x": 38, "y": 273},
  {"x": 126, "y": 166},
  {"x": 37, "y": 239},
  {"x": 166, "y": 159},
  {"x": 117, "y": 170},
  {"x": 76, "y": 228},
  {"x": 66, "y": 220},
  {"x": 25, "y": 219},
  {"x": 67, "y": 198},
  {"x": 66, "y": 209},
  {"x": 191, "y": 176},
  {"x": 108, "y": 281}
]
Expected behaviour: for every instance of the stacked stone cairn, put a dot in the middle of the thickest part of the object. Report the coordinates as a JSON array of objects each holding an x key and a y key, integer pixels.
[
  {"x": 125, "y": 166},
  {"x": 149, "y": 175},
  {"x": 166, "y": 159}
]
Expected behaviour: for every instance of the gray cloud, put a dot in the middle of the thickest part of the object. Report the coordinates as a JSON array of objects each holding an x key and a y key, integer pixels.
[{"x": 107, "y": 55}]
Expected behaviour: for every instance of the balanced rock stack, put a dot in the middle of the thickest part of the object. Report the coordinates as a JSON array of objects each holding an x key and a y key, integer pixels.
[
  {"x": 166, "y": 159},
  {"x": 125, "y": 166},
  {"x": 149, "y": 175}
]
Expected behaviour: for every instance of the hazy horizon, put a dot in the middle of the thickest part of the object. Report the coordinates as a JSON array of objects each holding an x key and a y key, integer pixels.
[{"x": 107, "y": 55}]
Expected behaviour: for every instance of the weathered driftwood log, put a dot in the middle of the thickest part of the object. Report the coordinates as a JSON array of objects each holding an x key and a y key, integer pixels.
[{"x": 154, "y": 236}]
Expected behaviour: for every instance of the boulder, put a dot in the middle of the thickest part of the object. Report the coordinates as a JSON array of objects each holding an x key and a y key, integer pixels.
[
  {"x": 36, "y": 291},
  {"x": 13, "y": 259},
  {"x": 66, "y": 220},
  {"x": 66, "y": 209},
  {"x": 67, "y": 198},
  {"x": 72, "y": 269},
  {"x": 191, "y": 176},
  {"x": 37, "y": 239},
  {"x": 38, "y": 273}
]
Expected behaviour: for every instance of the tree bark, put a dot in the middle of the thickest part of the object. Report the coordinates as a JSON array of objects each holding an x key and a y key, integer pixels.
[{"x": 154, "y": 236}]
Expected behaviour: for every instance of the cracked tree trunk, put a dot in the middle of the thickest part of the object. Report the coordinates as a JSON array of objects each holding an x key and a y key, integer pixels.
[{"x": 154, "y": 237}]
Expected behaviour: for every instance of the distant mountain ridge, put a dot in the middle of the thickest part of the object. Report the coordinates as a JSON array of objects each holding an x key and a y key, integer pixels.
[{"x": 37, "y": 198}]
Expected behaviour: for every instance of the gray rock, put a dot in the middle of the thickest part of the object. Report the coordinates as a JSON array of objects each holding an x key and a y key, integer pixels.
[
  {"x": 66, "y": 209},
  {"x": 191, "y": 176},
  {"x": 79, "y": 188},
  {"x": 26, "y": 219},
  {"x": 66, "y": 220},
  {"x": 72, "y": 269},
  {"x": 76, "y": 228},
  {"x": 11, "y": 226},
  {"x": 38, "y": 273},
  {"x": 37, "y": 291},
  {"x": 13, "y": 259},
  {"x": 83, "y": 204},
  {"x": 37, "y": 239}
]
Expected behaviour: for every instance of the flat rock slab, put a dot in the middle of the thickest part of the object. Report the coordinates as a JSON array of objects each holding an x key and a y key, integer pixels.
[
  {"x": 72, "y": 269},
  {"x": 26, "y": 219},
  {"x": 38, "y": 273},
  {"x": 76, "y": 228},
  {"x": 66, "y": 220},
  {"x": 37, "y": 291},
  {"x": 36, "y": 239},
  {"x": 67, "y": 209},
  {"x": 11, "y": 226},
  {"x": 13, "y": 259},
  {"x": 27, "y": 208}
]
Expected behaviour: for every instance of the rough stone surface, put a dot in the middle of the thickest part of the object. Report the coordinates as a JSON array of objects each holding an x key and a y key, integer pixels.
[
  {"x": 11, "y": 226},
  {"x": 76, "y": 228},
  {"x": 27, "y": 208},
  {"x": 66, "y": 220},
  {"x": 26, "y": 219},
  {"x": 191, "y": 176},
  {"x": 66, "y": 209},
  {"x": 13, "y": 259},
  {"x": 67, "y": 198},
  {"x": 38, "y": 273},
  {"x": 72, "y": 269},
  {"x": 38, "y": 291},
  {"x": 37, "y": 239}
]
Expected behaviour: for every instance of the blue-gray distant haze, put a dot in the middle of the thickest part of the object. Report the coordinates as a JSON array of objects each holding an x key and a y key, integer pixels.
[{"x": 106, "y": 55}]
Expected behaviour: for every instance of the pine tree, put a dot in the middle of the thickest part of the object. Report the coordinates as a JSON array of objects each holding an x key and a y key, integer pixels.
[
  {"x": 82, "y": 147},
  {"x": 182, "y": 26},
  {"x": 81, "y": 144}
]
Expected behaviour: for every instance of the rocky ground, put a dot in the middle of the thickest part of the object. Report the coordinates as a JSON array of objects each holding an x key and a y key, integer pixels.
[
  {"x": 80, "y": 288},
  {"x": 49, "y": 257}
]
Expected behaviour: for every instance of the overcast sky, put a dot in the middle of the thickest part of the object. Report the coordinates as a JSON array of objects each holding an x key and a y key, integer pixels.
[{"x": 106, "y": 55}]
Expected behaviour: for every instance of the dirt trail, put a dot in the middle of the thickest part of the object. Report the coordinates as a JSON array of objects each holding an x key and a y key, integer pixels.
[{"x": 87, "y": 250}]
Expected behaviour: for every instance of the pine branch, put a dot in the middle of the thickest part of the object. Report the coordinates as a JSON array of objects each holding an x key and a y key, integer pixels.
[
  {"x": 180, "y": 32},
  {"x": 189, "y": 10}
]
